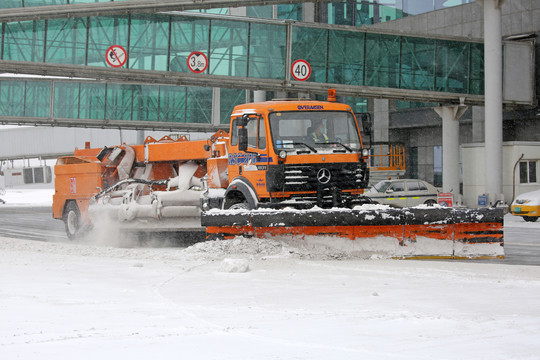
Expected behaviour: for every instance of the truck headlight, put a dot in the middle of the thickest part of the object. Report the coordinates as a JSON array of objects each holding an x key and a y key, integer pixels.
[
  {"x": 365, "y": 152},
  {"x": 282, "y": 154}
]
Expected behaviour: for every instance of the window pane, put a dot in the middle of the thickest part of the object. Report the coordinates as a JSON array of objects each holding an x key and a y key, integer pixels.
[
  {"x": 523, "y": 175},
  {"x": 532, "y": 171},
  {"x": 24, "y": 41},
  {"x": 149, "y": 42},
  {"x": 66, "y": 99},
  {"x": 119, "y": 102},
  {"x": 418, "y": 64},
  {"x": 38, "y": 99},
  {"x": 412, "y": 186},
  {"x": 66, "y": 41},
  {"x": 311, "y": 45},
  {"x": 267, "y": 48},
  {"x": 187, "y": 35},
  {"x": 346, "y": 63},
  {"x": 229, "y": 98},
  {"x": 145, "y": 103},
  {"x": 228, "y": 49},
  {"x": 476, "y": 85},
  {"x": 12, "y": 98},
  {"x": 105, "y": 32},
  {"x": 382, "y": 60},
  {"x": 172, "y": 103},
  {"x": 452, "y": 66},
  {"x": 199, "y": 105},
  {"x": 292, "y": 12},
  {"x": 92, "y": 101}
]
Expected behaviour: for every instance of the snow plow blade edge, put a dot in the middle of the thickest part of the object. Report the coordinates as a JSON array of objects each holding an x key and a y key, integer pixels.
[{"x": 398, "y": 233}]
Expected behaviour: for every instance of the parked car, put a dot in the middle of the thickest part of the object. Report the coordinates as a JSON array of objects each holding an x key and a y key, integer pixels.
[
  {"x": 527, "y": 205},
  {"x": 403, "y": 193}
]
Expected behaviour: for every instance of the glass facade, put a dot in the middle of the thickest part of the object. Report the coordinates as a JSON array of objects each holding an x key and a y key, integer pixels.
[{"x": 244, "y": 49}]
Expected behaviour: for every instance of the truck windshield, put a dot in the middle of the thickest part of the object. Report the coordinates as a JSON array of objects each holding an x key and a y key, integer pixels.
[{"x": 322, "y": 130}]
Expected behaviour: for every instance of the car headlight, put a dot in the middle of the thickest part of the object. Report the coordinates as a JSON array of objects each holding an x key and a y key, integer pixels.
[
  {"x": 282, "y": 154},
  {"x": 365, "y": 152}
]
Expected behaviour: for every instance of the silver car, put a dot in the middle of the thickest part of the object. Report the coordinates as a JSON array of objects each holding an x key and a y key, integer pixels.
[{"x": 403, "y": 193}]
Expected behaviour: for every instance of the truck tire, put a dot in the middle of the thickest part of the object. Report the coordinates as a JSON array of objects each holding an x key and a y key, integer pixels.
[
  {"x": 239, "y": 206},
  {"x": 530, "y": 218},
  {"x": 72, "y": 220}
]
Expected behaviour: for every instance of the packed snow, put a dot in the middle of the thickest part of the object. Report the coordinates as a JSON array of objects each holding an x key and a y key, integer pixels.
[{"x": 256, "y": 299}]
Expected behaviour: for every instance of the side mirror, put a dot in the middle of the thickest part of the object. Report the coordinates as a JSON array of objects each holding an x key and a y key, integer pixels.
[
  {"x": 242, "y": 139},
  {"x": 389, "y": 191}
]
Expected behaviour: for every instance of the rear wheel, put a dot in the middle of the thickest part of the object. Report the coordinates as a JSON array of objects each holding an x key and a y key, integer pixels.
[
  {"x": 239, "y": 206},
  {"x": 430, "y": 202},
  {"x": 530, "y": 218},
  {"x": 72, "y": 220}
]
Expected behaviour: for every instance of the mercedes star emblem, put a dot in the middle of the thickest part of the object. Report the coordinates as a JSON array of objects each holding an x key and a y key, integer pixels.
[{"x": 324, "y": 176}]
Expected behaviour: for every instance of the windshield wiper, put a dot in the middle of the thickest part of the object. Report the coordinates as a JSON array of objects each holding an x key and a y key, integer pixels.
[
  {"x": 335, "y": 143},
  {"x": 306, "y": 145}
]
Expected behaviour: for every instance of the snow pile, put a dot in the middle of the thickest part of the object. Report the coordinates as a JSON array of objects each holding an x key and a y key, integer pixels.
[
  {"x": 34, "y": 196},
  {"x": 234, "y": 266}
]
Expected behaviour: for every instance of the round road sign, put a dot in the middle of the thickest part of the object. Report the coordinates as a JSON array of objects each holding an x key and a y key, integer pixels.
[
  {"x": 301, "y": 70},
  {"x": 197, "y": 62},
  {"x": 116, "y": 56}
]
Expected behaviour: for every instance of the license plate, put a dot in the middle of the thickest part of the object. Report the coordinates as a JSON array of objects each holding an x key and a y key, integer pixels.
[{"x": 517, "y": 209}]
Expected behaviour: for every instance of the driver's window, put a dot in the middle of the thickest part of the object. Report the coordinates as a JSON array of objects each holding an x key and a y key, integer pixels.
[
  {"x": 252, "y": 133},
  {"x": 397, "y": 186}
]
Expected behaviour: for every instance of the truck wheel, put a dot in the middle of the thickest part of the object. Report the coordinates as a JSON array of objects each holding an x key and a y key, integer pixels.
[
  {"x": 72, "y": 220},
  {"x": 239, "y": 206},
  {"x": 530, "y": 218}
]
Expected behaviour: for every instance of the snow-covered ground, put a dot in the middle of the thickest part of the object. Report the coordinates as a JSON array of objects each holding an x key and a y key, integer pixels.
[{"x": 258, "y": 299}]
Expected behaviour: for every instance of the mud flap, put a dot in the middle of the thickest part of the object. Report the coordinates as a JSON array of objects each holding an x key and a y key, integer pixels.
[{"x": 400, "y": 233}]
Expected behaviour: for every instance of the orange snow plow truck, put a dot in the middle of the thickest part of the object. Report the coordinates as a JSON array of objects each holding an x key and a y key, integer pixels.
[{"x": 287, "y": 168}]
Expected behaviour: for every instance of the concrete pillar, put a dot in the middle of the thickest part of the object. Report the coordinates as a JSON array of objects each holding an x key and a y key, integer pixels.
[
  {"x": 493, "y": 98},
  {"x": 381, "y": 120},
  {"x": 450, "y": 147},
  {"x": 259, "y": 95}
]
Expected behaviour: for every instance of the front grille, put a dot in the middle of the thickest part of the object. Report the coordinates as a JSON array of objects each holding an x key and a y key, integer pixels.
[{"x": 290, "y": 178}]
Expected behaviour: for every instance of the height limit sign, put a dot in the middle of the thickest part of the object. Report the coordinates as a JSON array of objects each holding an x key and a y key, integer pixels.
[
  {"x": 116, "y": 56},
  {"x": 300, "y": 70},
  {"x": 197, "y": 62}
]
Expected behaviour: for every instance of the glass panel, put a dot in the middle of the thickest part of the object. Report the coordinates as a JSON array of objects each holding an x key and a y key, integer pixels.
[
  {"x": 267, "y": 51},
  {"x": 437, "y": 166},
  {"x": 149, "y": 42},
  {"x": 66, "y": 100},
  {"x": 172, "y": 103},
  {"x": 523, "y": 175},
  {"x": 452, "y": 66},
  {"x": 92, "y": 101},
  {"x": 346, "y": 60},
  {"x": 228, "y": 50},
  {"x": 229, "y": 98},
  {"x": 476, "y": 71},
  {"x": 364, "y": 13},
  {"x": 12, "y": 98},
  {"x": 382, "y": 60},
  {"x": 265, "y": 12},
  {"x": 38, "y": 99},
  {"x": 105, "y": 32},
  {"x": 66, "y": 41},
  {"x": 418, "y": 64},
  {"x": 119, "y": 102},
  {"x": 532, "y": 171},
  {"x": 292, "y": 12},
  {"x": 24, "y": 41},
  {"x": 311, "y": 45},
  {"x": 187, "y": 35},
  {"x": 145, "y": 103},
  {"x": 199, "y": 105}
]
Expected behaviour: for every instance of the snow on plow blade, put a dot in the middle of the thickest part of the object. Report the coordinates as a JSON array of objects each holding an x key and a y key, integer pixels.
[{"x": 399, "y": 233}]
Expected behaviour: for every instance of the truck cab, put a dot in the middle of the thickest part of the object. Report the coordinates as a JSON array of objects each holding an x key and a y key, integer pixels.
[{"x": 297, "y": 153}]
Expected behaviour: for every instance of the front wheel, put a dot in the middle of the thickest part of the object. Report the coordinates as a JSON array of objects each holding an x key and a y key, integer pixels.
[
  {"x": 430, "y": 203},
  {"x": 530, "y": 218},
  {"x": 72, "y": 220}
]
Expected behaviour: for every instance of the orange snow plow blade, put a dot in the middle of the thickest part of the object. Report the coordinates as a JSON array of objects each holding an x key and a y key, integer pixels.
[{"x": 398, "y": 233}]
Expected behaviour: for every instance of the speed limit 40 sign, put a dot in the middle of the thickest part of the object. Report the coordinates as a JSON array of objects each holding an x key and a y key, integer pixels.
[{"x": 300, "y": 70}]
